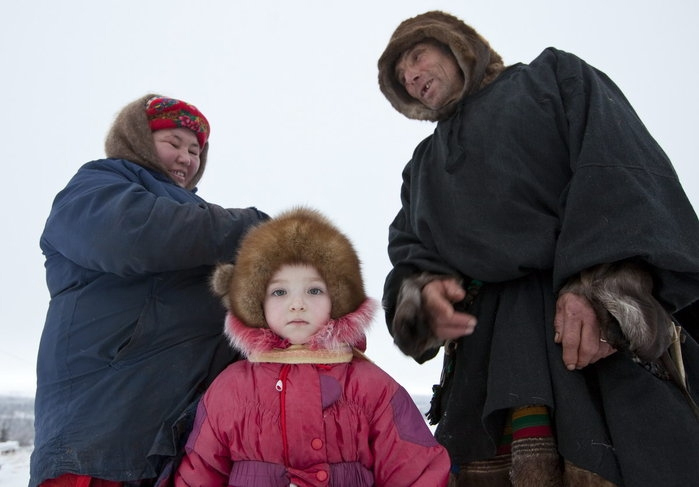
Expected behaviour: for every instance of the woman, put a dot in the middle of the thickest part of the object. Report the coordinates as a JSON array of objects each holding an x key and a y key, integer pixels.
[{"x": 132, "y": 335}]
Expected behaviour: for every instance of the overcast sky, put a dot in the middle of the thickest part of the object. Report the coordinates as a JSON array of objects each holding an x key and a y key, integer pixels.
[{"x": 297, "y": 117}]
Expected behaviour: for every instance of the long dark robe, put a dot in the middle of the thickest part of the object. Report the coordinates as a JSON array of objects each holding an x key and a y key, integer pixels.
[{"x": 543, "y": 173}]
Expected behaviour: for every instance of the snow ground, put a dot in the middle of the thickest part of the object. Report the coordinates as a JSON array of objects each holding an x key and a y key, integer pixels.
[{"x": 14, "y": 468}]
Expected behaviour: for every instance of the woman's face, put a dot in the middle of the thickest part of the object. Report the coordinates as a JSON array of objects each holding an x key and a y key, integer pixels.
[{"x": 178, "y": 151}]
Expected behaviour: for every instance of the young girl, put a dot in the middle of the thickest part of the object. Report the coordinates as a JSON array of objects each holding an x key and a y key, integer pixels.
[{"x": 306, "y": 408}]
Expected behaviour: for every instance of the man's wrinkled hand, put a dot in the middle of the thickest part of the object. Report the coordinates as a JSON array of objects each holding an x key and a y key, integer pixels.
[{"x": 578, "y": 330}]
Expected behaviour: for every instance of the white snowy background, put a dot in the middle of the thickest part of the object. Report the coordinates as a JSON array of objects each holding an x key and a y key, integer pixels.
[
  {"x": 297, "y": 117},
  {"x": 14, "y": 468}
]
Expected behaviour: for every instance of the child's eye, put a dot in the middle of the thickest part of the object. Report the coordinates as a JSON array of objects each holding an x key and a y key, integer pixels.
[
  {"x": 278, "y": 292},
  {"x": 315, "y": 291}
]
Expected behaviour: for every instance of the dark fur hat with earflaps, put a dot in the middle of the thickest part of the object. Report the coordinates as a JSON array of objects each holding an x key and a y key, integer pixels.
[
  {"x": 473, "y": 54},
  {"x": 297, "y": 236}
]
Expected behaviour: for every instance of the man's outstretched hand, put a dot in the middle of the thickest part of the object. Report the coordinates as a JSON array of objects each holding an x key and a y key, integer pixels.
[{"x": 438, "y": 299}]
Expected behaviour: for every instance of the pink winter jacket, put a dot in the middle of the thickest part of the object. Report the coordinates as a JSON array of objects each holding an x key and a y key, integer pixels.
[{"x": 309, "y": 416}]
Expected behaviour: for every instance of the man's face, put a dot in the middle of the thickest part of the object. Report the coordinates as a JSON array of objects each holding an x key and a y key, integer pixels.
[{"x": 430, "y": 75}]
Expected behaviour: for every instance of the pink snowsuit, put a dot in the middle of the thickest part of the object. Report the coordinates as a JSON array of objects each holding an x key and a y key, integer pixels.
[{"x": 309, "y": 416}]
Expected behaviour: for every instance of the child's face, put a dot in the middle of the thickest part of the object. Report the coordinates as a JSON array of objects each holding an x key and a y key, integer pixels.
[
  {"x": 178, "y": 151},
  {"x": 297, "y": 304}
]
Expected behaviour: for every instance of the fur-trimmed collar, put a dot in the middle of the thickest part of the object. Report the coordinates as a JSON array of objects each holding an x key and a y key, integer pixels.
[{"x": 333, "y": 341}]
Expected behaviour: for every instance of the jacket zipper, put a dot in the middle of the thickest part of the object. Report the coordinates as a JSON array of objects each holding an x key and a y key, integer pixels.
[{"x": 281, "y": 388}]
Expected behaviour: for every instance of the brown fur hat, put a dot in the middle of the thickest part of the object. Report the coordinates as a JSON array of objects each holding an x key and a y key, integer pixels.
[
  {"x": 472, "y": 52},
  {"x": 131, "y": 138},
  {"x": 297, "y": 236}
]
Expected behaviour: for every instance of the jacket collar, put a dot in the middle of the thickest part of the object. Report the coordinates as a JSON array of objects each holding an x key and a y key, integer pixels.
[{"x": 334, "y": 343}]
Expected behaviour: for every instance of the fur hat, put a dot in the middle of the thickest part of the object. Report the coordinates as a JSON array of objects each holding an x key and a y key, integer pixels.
[
  {"x": 130, "y": 136},
  {"x": 297, "y": 236},
  {"x": 472, "y": 52}
]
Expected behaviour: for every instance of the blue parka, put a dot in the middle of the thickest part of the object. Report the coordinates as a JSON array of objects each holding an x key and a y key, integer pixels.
[{"x": 133, "y": 334}]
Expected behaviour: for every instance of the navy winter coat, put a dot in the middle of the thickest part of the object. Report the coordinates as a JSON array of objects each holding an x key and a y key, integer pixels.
[{"x": 132, "y": 334}]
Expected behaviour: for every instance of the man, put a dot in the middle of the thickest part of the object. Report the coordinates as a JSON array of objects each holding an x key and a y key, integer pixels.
[{"x": 542, "y": 207}]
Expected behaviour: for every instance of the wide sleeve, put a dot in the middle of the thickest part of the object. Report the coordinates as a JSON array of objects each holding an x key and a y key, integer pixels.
[
  {"x": 109, "y": 220},
  {"x": 405, "y": 451},
  {"x": 624, "y": 199},
  {"x": 408, "y": 254}
]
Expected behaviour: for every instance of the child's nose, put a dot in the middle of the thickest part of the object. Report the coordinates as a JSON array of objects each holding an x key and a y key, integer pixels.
[{"x": 297, "y": 303}]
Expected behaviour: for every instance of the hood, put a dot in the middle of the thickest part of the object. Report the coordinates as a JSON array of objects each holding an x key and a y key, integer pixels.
[
  {"x": 472, "y": 52},
  {"x": 131, "y": 138}
]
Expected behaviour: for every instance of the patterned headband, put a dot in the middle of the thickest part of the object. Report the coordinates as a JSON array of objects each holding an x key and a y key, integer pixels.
[{"x": 166, "y": 113}]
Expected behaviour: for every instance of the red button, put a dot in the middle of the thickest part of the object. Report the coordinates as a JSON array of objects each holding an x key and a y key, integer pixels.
[
  {"x": 317, "y": 444},
  {"x": 322, "y": 475}
]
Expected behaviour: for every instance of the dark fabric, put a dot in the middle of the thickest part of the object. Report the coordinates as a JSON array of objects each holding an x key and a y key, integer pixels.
[
  {"x": 132, "y": 333},
  {"x": 543, "y": 173},
  {"x": 178, "y": 435}
]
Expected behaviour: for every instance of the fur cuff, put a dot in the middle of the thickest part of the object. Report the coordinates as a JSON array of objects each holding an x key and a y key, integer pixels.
[
  {"x": 411, "y": 329},
  {"x": 630, "y": 317}
]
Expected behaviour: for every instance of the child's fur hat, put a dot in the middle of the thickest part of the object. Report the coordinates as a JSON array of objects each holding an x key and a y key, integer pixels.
[{"x": 297, "y": 236}]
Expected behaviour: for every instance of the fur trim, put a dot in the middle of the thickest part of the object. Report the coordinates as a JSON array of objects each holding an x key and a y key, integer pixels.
[
  {"x": 411, "y": 330},
  {"x": 574, "y": 476},
  {"x": 472, "y": 52},
  {"x": 630, "y": 317},
  {"x": 131, "y": 138},
  {"x": 300, "y": 354},
  {"x": 298, "y": 236},
  {"x": 220, "y": 280},
  {"x": 535, "y": 461},
  {"x": 335, "y": 336}
]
